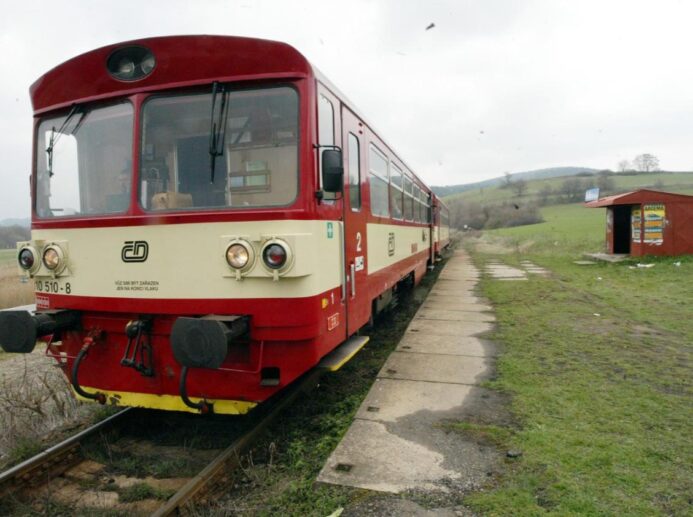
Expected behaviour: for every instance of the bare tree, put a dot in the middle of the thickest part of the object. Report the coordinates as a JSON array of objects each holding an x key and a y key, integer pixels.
[
  {"x": 572, "y": 189},
  {"x": 646, "y": 162},
  {"x": 519, "y": 187},
  {"x": 623, "y": 166},
  {"x": 544, "y": 194},
  {"x": 605, "y": 183}
]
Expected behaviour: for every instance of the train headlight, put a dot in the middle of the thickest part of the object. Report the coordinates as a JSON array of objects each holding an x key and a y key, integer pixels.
[
  {"x": 125, "y": 68},
  {"x": 238, "y": 255},
  {"x": 130, "y": 63},
  {"x": 276, "y": 254},
  {"x": 27, "y": 259},
  {"x": 148, "y": 63},
  {"x": 53, "y": 258}
]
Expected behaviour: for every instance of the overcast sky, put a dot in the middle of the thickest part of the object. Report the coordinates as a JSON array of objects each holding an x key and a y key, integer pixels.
[{"x": 495, "y": 86}]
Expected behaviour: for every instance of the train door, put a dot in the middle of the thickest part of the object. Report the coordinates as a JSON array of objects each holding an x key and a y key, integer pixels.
[{"x": 357, "y": 295}]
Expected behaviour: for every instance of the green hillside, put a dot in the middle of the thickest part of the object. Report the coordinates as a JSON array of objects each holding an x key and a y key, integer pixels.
[
  {"x": 566, "y": 227},
  {"x": 553, "y": 172},
  {"x": 679, "y": 182}
]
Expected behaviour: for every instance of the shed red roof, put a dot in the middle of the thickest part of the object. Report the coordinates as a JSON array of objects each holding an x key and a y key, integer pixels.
[{"x": 638, "y": 197}]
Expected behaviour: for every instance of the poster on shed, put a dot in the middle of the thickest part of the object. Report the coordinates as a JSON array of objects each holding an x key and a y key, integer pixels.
[
  {"x": 653, "y": 216},
  {"x": 635, "y": 223}
]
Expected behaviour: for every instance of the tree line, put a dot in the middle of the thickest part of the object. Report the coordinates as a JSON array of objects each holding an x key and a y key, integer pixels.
[
  {"x": 10, "y": 235},
  {"x": 645, "y": 162}
]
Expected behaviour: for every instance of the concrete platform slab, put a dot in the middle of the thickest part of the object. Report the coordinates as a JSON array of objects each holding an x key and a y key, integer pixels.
[
  {"x": 503, "y": 272},
  {"x": 462, "y": 296},
  {"x": 454, "y": 305},
  {"x": 401, "y": 464},
  {"x": 444, "y": 283},
  {"x": 450, "y": 345},
  {"x": 454, "y": 369},
  {"x": 391, "y": 399},
  {"x": 449, "y": 328},
  {"x": 398, "y": 440},
  {"x": 448, "y": 315}
]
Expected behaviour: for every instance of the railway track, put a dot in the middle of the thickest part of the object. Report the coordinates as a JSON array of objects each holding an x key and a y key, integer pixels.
[
  {"x": 22, "y": 483},
  {"x": 53, "y": 461}
]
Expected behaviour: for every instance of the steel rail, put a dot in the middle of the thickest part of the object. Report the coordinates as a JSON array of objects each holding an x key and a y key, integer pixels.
[
  {"x": 25, "y": 472},
  {"x": 229, "y": 460}
]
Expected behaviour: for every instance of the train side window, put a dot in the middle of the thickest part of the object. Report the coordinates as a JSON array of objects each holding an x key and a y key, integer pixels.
[
  {"x": 421, "y": 207},
  {"x": 428, "y": 209},
  {"x": 377, "y": 177},
  {"x": 325, "y": 126},
  {"x": 408, "y": 199},
  {"x": 354, "y": 172},
  {"x": 396, "y": 203}
]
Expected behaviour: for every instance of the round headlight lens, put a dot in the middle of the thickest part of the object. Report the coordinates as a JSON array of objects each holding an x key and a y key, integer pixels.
[
  {"x": 130, "y": 63},
  {"x": 237, "y": 256},
  {"x": 126, "y": 68},
  {"x": 26, "y": 259},
  {"x": 51, "y": 258},
  {"x": 148, "y": 63},
  {"x": 274, "y": 256}
]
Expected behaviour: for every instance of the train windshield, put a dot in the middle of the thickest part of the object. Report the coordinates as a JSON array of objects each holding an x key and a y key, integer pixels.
[
  {"x": 84, "y": 162},
  {"x": 255, "y": 162}
]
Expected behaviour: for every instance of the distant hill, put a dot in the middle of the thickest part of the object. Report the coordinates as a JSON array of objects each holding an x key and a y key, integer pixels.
[
  {"x": 553, "y": 172},
  {"x": 570, "y": 189},
  {"x": 24, "y": 222},
  {"x": 497, "y": 206},
  {"x": 10, "y": 235}
]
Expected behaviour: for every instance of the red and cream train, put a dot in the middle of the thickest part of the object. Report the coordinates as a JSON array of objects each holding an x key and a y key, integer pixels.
[{"x": 210, "y": 219}]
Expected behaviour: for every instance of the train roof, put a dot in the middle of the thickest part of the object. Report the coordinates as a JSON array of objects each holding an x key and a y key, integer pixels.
[
  {"x": 180, "y": 61},
  {"x": 197, "y": 60}
]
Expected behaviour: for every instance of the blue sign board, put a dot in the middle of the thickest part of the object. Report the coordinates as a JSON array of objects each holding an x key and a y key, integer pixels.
[{"x": 591, "y": 194}]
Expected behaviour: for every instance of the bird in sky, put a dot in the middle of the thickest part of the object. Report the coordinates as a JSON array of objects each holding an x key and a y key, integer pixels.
[{"x": 430, "y": 26}]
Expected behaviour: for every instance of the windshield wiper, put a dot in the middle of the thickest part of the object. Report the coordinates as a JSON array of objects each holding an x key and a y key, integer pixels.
[
  {"x": 54, "y": 139},
  {"x": 217, "y": 131}
]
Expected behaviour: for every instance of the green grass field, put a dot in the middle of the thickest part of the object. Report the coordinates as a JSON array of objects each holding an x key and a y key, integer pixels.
[
  {"x": 7, "y": 256},
  {"x": 672, "y": 182},
  {"x": 568, "y": 227},
  {"x": 597, "y": 360}
]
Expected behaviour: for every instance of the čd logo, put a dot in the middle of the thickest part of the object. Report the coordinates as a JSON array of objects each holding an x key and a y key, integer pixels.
[{"x": 135, "y": 251}]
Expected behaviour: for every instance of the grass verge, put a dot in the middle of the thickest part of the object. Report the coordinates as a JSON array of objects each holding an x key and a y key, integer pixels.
[{"x": 598, "y": 361}]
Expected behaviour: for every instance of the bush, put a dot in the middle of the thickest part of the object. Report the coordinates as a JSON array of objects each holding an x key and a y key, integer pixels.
[
  {"x": 477, "y": 217},
  {"x": 509, "y": 215}
]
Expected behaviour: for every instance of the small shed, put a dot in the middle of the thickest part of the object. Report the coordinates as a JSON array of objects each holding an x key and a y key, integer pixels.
[{"x": 648, "y": 222}]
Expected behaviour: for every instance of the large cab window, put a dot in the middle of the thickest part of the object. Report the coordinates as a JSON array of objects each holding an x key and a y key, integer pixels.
[
  {"x": 84, "y": 162},
  {"x": 256, "y": 156}
]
